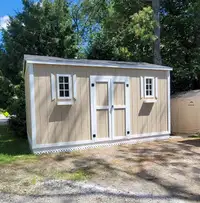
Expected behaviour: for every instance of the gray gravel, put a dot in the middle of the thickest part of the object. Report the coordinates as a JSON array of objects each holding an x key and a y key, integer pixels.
[
  {"x": 69, "y": 191},
  {"x": 162, "y": 172}
]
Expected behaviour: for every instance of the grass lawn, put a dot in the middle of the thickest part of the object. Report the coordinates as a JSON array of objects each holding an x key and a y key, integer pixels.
[
  {"x": 13, "y": 148},
  {"x": 20, "y": 170}
]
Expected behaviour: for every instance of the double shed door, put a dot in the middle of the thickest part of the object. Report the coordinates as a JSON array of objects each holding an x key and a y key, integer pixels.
[{"x": 110, "y": 107}]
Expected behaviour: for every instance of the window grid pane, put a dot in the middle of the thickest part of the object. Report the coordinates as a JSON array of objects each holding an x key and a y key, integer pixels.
[
  {"x": 149, "y": 87},
  {"x": 64, "y": 86}
]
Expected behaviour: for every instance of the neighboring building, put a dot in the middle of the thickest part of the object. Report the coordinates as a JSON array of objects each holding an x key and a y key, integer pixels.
[
  {"x": 185, "y": 108},
  {"x": 75, "y": 104}
]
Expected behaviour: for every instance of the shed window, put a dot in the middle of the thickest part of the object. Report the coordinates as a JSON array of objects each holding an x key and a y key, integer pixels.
[
  {"x": 149, "y": 87},
  {"x": 64, "y": 86}
]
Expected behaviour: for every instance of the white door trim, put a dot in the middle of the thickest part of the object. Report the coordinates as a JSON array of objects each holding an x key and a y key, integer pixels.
[
  {"x": 110, "y": 80},
  {"x": 102, "y": 107},
  {"x": 94, "y": 107},
  {"x": 126, "y": 107}
]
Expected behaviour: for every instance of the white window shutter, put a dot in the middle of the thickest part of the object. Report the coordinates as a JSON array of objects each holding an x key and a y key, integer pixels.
[
  {"x": 156, "y": 87},
  {"x": 53, "y": 87},
  {"x": 74, "y": 87},
  {"x": 141, "y": 87}
]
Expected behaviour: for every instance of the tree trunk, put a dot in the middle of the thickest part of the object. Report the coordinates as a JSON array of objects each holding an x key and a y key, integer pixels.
[{"x": 157, "y": 56}]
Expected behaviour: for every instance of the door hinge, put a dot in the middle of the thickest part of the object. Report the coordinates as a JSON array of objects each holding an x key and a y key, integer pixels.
[
  {"x": 127, "y": 85},
  {"x": 92, "y": 84}
]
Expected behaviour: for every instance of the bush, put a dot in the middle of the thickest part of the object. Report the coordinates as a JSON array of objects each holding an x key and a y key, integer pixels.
[
  {"x": 17, "y": 121},
  {"x": 18, "y": 126}
]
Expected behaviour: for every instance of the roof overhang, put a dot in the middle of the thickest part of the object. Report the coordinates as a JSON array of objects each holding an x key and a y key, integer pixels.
[{"x": 93, "y": 63}]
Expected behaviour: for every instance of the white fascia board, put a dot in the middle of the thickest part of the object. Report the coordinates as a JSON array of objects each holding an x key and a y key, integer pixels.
[{"x": 120, "y": 66}]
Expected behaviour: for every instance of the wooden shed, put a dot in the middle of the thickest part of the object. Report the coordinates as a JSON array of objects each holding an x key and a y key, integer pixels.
[
  {"x": 185, "y": 110},
  {"x": 76, "y": 104}
]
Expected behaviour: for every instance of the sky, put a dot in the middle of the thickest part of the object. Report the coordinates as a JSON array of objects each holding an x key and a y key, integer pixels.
[{"x": 8, "y": 8}]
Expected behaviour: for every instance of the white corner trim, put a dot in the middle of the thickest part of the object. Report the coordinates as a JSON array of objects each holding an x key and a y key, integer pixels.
[
  {"x": 51, "y": 148},
  {"x": 74, "y": 87},
  {"x": 29, "y": 139},
  {"x": 111, "y": 107},
  {"x": 169, "y": 101},
  {"x": 30, "y": 142},
  {"x": 141, "y": 87},
  {"x": 32, "y": 103},
  {"x": 26, "y": 74},
  {"x": 53, "y": 87}
]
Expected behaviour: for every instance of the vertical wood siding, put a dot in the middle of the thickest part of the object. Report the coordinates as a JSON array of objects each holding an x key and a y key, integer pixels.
[
  {"x": 119, "y": 94},
  {"x": 72, "y": 123},
  {"x": 119, "y": 122},
  {"x": 185, "y": 116},
  {"x": 103, "y": 124},
  {"x": 102, "y": 94}
]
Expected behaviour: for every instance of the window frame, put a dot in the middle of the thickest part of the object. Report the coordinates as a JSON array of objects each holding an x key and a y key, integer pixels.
[
  {"x": 153, "y": 87},
  {"x": 58, "y": 86}
]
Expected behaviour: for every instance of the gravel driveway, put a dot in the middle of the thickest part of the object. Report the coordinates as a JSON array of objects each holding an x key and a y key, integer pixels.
[{"x": 166, "y": 171}]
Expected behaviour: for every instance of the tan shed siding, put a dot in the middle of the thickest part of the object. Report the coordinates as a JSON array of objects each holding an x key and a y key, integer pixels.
[
  {"x": 119, "y": 121},
  {"x": 61, "y": 123},
  {"x": 147, "y": 117},
  {"x": 119, "y": 93},
  {"x": 185, "y": 117},
  {"x": 28, "y": 108},
  {"x": 103, "y": 124},
  {"x": 72, "y": 123},
  {"x": 102, "y": 94}
]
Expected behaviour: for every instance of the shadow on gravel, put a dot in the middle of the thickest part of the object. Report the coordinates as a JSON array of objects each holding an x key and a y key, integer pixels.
[
  {"x": 164, "y": 154},
  {"x": 176, "y": 159},
  {"x": 98, "y": 191},
  {"x": 195, "y": 142}
]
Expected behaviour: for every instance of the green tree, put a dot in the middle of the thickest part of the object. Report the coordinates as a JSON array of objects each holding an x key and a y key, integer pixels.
[
  {"x": 43, "y": 28},
  {"x": 157, "y": 54},
  {"x": 127, "y": 33},
  {"x": 181, "y": 42}
]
